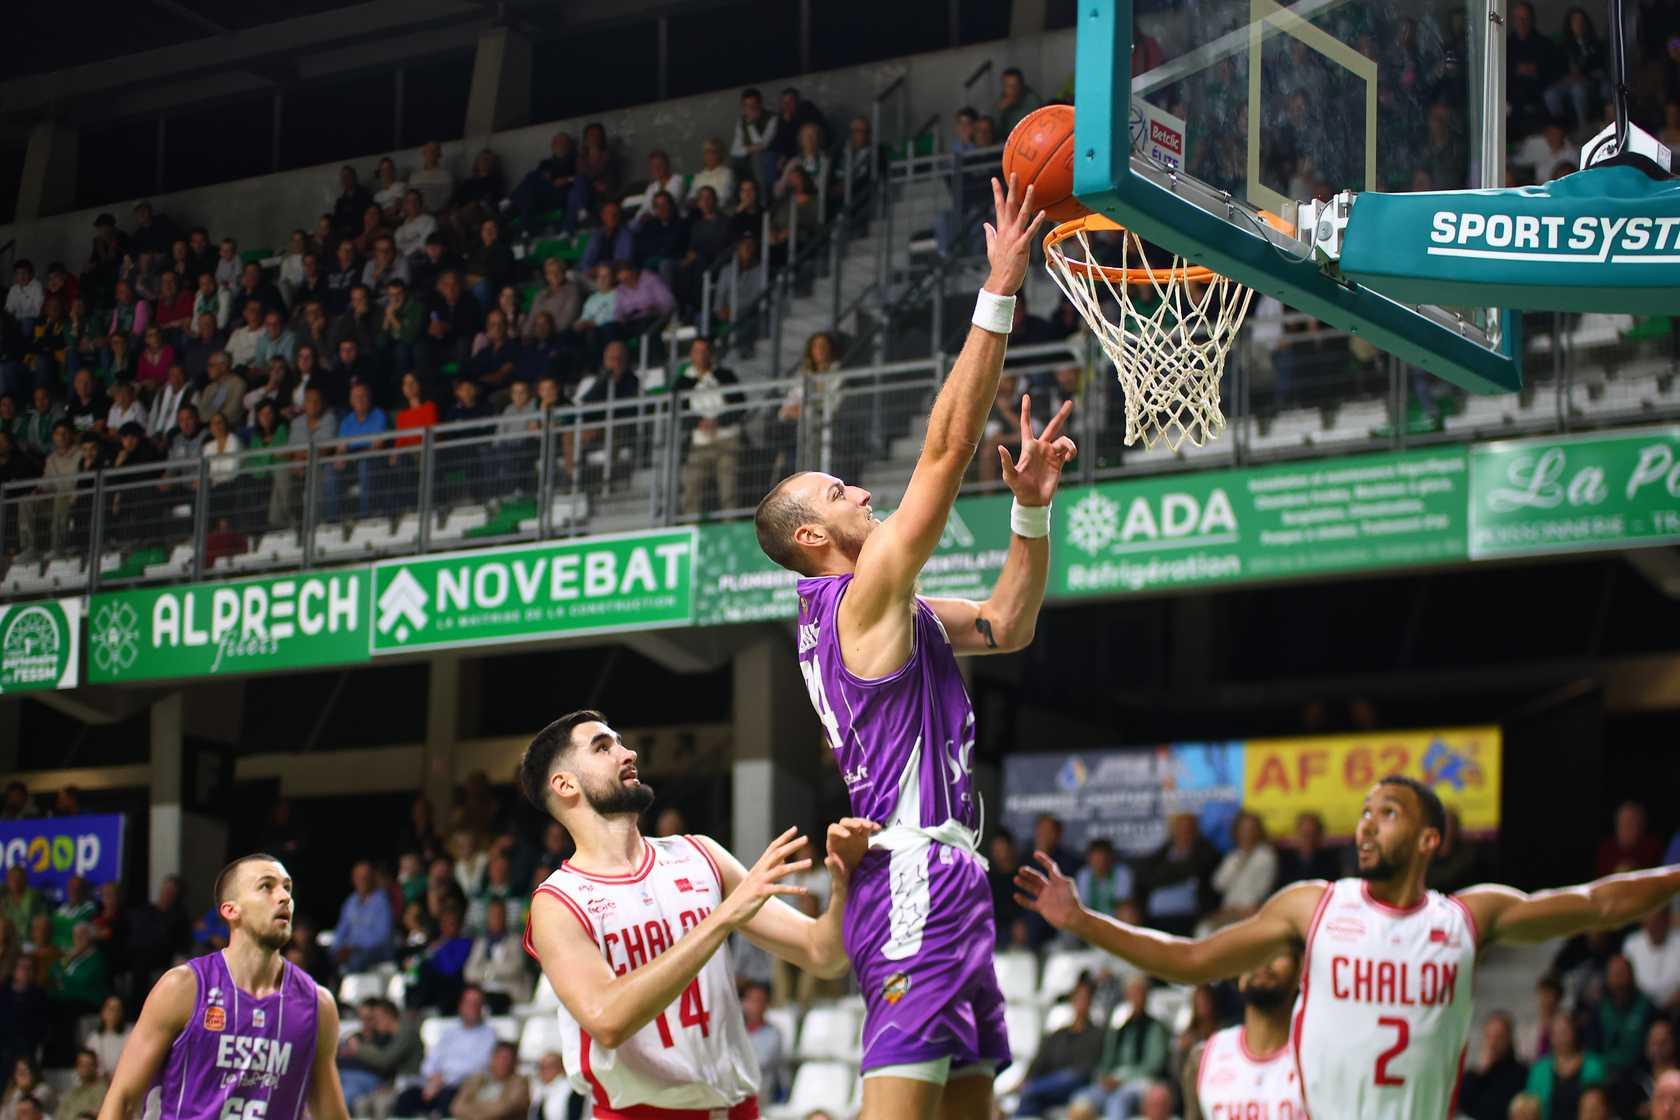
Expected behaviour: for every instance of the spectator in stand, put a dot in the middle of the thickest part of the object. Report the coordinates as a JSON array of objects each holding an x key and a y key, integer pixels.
[
  {"x": 50, "y": 345},
  {"x": 1310, "y": 858},
  {"x": 345, "y": 274},
  {"x": 1549, "y": 152},
  {"x": 1584, "y": 79},
  {"x": 153, "y": 233},
  {"x": 1630, "y": 847},
  {"x": 615, "y": 382},
  {"x": 710, "y": 233},
  {"x": 1624, "y": 1015},
  {"x": 641, "y": 299},
  {"x": 388, "y": 197},
  {"x": 478, "y": 195},
  {"x": 415, "y": 414},
  {"x": 1133, "y": 1055},
  {"x": 1015, "y": 99},
  {"x": 861, "y": 160},
  {"x": 1004, "y": 858},
  {"x": 384, "y": 266},
  {"x": 1067, "y": 1059},
  {"x": 1248, "y": 873},
  {"x": 714, "y": 173},
  {"x": 242, "y": 343},
  {"x": 105, "y": 258},
  {"x": 793, "y": 114},
  {"x": 551, "y": 1089},
  {"x": 23, "y": 1018},
  {"x": 747, "y": 219},
  {"x": 416, "y": 226},
  {"x": 498, "y": 1093},
  {"x": 363, "y": 324},
  {"x": 253, "y": 287},
  {"x": 442, "y": 969},
  {"x": 1103, "y": 883},
  {"x": 129, "y": 314},
  {"x": 57, "y": 495},
  {"x": 117, "y": 363},
  {"x": 962, "y": 130},
  {"x": 362, "y": 938},
  {"x": 1559, "y": 1077},
  {"x": 195, "y": 354},
  {"x": 1497, "y": 1075},
  {"x": 496, "y": 962},
  {"x": 597, "y": 176},
  {"x": 497, "y": 886},
  {"x": 1531, "y": 67},
  {"x": 212, "y": 301},
  {"x": 352, "y": 202},
  {"x": 463, "y": 1049},
  {"x": 88, "y": 1093},
  {"x": 225, "y": 392},
  {"x": 106, "y": 1041},
  {"x": 270, "y": 434},
  {"x": 34, "y": 438},
  {"x": 167, "y": 404},
  {"x": 1178, "y": 878},
  {"x": 402, "y": 324},
  {"x": 1665, "y": 1100},
  {"x": 276, "y": 385},
  {"x": 88, "y": 406},
  {"x": 595, "y": 323},
  {"x": 315, "y": 424},
  {"x": 559, "y": 298},
  {"x": 490, "y": 264},
  {"x": 766, "y": 1042},
  {"x": 25, "y": 1085},
  {"x": 11, "y": 948},
  {"x": 455, "y": 319},
  {"x": 660, "y": 179},
  {"x": 77, "y": 984},
  {"x": 174, "y": 307},
  {"x": 22, "y": 901},
  {"x": 808, "y": 156},
  {"x": 1654, "y": 952},
  {"x": 125, "y": 409},
  {"x": 712, "y": 413},
  {"x": 274, "y": 342},
  {"x": 1635, "y": 1093},
  {"x": 370, "y": 1062},
  {"x": 611, "y": 241},
  {"x": 292, "y": 267},
  {"x": 661, "y": 238},
  {"x": 755, "y": 134},
  {"x": 156, "y": 357},
  {"x": 433, "y": 262},
  {"x": 1047, "y": 838},
  {"x": 24, "y": 300},
  {"x": 434, "y": 182},
  {"x": 546, "y": 186},
  {"x": 311, "y": 370},
  {"x": 228, "y": 266},
  {"x": 78, "y": 907}
]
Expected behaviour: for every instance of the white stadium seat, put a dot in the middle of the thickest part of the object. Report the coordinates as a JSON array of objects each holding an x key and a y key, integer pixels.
[
  {"x": 543, "y": 1000},
  {"x": 541, "y": 1034},
  {"x": 1025, "y": 1028},
  {"x": 506, "y": 1028},
  {"x": 1061, "y": 972},
  {"x": 818, "y": 1085},
  {"x": 830, "y": 1032},
  {"x": 1017, "y": 973},
  {"x": 786, "y": 1022},
  {"x": 432, "y": 1029},
  {"x": 357, "y": 986}
]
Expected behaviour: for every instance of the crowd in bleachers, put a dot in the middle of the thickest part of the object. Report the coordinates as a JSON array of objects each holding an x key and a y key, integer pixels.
[{"x": 445, "y": 1014}]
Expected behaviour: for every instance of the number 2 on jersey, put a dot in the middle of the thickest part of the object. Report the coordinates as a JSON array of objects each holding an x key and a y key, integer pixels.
[
  {"x": 691, "y": 1012},
  {"x": 1404, "y": 1031}
]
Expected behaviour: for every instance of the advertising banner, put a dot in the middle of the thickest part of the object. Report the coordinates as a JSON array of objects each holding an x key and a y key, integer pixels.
[
  {"x": 297, "y": 621},
  {"x": 40, "y": 645},
  {"x": 1298, "y": 519},
  {"x": 52, "y": 849},
  {"x": 630, "y": 582},
  {"x": 1614, "y": 490}
]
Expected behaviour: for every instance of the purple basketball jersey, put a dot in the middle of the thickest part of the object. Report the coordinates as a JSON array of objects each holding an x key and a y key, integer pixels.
[
  {"x": 239, "y": 1058},
  {"x": 904, "y": 742}
]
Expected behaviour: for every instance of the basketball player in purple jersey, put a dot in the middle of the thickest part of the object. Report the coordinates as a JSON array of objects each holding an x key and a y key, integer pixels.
[
  {"x": 880, "y": 664},
  {"x": 242, "y": 1034}
]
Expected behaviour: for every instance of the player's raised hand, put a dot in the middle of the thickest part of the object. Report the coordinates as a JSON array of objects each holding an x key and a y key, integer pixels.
[
  {"x": 1049, "y": 894},
  {"x": 1035, "y": 475},
  {"x": 1009, "y": 239},
  {"x": 848, "y": 840},
  {"x": 764, "y": 880}
]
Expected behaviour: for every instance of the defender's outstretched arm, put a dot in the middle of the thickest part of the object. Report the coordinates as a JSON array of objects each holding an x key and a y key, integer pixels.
[{"x": 1507, "y": 914}]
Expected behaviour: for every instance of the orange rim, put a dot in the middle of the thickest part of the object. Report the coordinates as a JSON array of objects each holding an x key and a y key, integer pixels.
[{"x": 1136, "y": 274}]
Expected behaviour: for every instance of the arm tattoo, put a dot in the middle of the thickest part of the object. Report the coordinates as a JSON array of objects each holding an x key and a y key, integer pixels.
[{"x": 984, "y": 626}]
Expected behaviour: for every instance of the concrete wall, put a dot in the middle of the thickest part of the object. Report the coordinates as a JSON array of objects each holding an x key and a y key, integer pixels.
[{"x": 262, "y": 211}]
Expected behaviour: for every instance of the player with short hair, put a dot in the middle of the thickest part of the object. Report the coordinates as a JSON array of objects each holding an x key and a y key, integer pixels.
[
  {"x": 880, "y": 665},
  {"x": 239, "y": 1034},
  {"x": 628, "y": 933},
  {"x": 1248, "y": 1070},
  {"x": 1384, "y": 1012}
]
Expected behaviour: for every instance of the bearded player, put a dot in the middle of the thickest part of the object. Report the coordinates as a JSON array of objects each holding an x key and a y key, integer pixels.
[
  {"x": 1247, "y": 1072},
  {"x": 880, "y": 665},
  {"x": 1380, "y": 1029},
  {"x": 240, "y": 1034},
  {"x": 628, "y": 932}
]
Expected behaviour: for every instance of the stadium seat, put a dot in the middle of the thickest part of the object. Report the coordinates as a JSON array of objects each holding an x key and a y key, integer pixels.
[
  {"x": 432, "y": 1029},
  {"x": 396, "y": 988},
  {"x": 1017, "y": 973},
  {"x": 1061, "y": 970},
  {"x": 540, "y": 1035},
  {"x": 1025, "y": 1026},
  {"x": 786, "y": 1022},
  {"x": 543, "y": 1000},
  {"x": 357, "y": 986},
  {"x": 506, "y": 1028},
  {"x": 818, "y": 1085},
  {"x": 830, "y": 1032},
  {"x": 1058, "y": 1016}
]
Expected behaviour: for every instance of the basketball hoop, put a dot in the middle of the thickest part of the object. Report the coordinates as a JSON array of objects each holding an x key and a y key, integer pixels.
[{"x": 1169, "y": 344}]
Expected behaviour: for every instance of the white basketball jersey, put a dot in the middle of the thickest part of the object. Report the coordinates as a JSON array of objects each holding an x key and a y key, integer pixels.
[
  {"x": 1384, "y": 1011},
  {"x": 1233, "y": 1084},
  {"x": 696, "y": 1055}
]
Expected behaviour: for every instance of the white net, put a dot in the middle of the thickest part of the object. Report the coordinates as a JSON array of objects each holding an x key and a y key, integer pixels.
[{"x": 1168, "y": 340}]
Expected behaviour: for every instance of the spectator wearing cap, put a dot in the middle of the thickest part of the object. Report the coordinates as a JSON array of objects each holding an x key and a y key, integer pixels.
[
  {"x": 489, "y": 264},
  {"x": 546, "y": 186},
  {"x": 755, "y": 135},
  {"x": 362, "y": 938},
  {"x": 435, "y": 259}
]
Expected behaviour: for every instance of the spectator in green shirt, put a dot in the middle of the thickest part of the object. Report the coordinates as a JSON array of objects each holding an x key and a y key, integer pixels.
[
  {"x": 78, "y": 907},
  {"x": 77, "y": 984},
  {"x": 22, "y": 901},
  {"x": 1624, "y": 1014},
  {"x": 1135, "y": 1055},
  {"x": 1559, "y": 1078}
]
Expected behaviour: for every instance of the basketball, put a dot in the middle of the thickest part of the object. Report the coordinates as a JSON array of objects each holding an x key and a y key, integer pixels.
[{"x": 1040, "y": 152}]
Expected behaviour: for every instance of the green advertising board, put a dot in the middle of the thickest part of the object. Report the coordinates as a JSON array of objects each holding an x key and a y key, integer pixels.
[
  {"x": 738, "y": 583},
  {"x": 1609, "y": 490},
  {"x": 633, "y": 581},
  {"x": 40, "y": 645},
  {"x": 1327, "y": 515},
  {"x": 297, "y": 621}
]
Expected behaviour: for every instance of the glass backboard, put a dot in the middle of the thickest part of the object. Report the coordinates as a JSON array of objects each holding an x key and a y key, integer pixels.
[{"x": 1242, "y": 106}]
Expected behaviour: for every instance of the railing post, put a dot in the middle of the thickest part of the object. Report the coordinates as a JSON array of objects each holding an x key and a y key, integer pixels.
[
  {"x": 673, "y": 461},
  {"x": 778, "y": 315},
  {"x": 764, "y": 245},
  {"x": 545, "y": 476},
  {"x": 936, "y": 344},
  {"x": 793, "y": 232},
  {"x": 706, "y": 301},
  {"x": 201, "y": 517},
  {"x": 607, "y": 439},
  {"x": 428, "y": 477},
  {"x": 96, "y": 532}
]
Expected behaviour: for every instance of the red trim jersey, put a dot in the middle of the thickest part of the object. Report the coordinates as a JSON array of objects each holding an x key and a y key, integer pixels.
[
  {"x": 1384, "y": 1013},
  {"x": 695, "y": 1056},
  {"x": 1234, "y": 1083}
]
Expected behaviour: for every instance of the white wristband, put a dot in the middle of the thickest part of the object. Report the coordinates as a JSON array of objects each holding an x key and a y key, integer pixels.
[
  {"x": 1030, "y": 522},
  {"x": 994, "y": 313}
]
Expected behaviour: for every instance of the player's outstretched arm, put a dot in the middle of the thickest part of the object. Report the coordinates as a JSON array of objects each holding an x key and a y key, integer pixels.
[
  {"x": 812, "y": 944},
  {"x": 326, "y": 1092},
  {"x": 895, "y": 553},
  {"x": 613, "y": 1008},
  {"x": 162, "y": 1019},
  {"x": 1236, "y": 948},
  {"x": 1005, "y": 622},
  {"x": 1509, "y": 915}
]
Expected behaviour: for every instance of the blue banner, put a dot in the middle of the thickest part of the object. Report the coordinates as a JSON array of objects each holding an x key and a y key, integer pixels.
[{"x": 52, "y": 849}]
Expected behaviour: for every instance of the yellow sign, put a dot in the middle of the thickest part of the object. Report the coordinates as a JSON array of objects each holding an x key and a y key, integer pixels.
[{"x": 1330, "y": 775}]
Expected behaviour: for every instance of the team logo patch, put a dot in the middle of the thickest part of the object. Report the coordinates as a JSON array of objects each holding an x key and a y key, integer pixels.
[
  {"x": 215, "y": 1019},
  {"x": 896, "y": 987},
  {"x": 258, "y": 1018},
  {"x": 684, "y": 885}
]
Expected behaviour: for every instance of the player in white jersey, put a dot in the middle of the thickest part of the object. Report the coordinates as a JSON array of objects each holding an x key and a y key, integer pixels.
[
  {"x": 628, "y": 933},
  {"x": 1247, "y": 1072},
  {"x": 1385, "y": 996}
]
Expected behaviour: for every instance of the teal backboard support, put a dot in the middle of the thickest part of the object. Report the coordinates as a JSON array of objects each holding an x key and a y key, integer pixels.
[{"x": 1206, "y": 226}]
